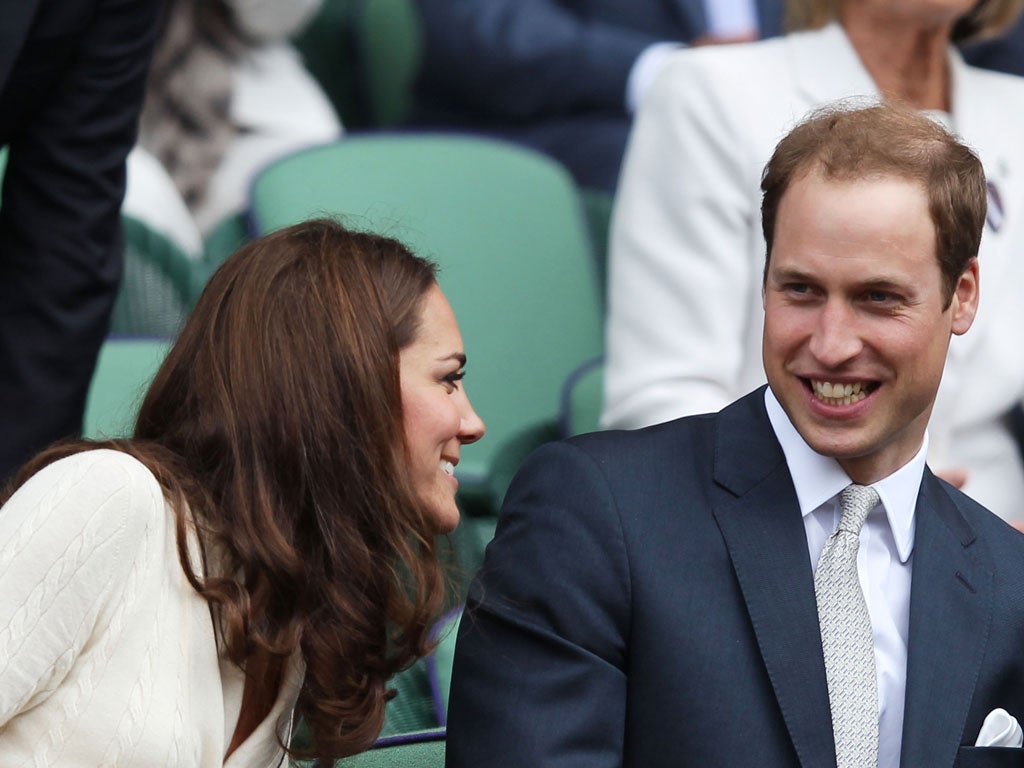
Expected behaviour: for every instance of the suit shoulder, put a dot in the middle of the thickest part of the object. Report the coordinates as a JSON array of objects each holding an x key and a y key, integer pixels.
[
  {"x": 657, "y": 443},
  {"x": 722, "y": 88},
  {"x": 701, "y": 72},
  {"x": 739, "y": 58},
  {"x": 987, "y": 524}
]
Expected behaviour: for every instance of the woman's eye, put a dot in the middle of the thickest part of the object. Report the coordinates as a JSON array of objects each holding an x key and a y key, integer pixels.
[{"x": 454, "y": 378}]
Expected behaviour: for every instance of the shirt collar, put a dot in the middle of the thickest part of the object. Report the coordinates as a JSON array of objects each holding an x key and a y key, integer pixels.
[{"x": 818, "y": 478}]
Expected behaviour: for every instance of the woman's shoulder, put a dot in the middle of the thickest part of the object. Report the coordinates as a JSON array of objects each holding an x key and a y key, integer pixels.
[
  {"x": 105, "y": 468},
  {"x": 101, "y": 487},
  {"x": 741, "y": 61},
  {"x": 733, "y": 84}
]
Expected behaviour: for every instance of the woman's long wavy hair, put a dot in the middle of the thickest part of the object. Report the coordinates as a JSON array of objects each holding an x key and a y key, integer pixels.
[{"x": 276, "y": 420}]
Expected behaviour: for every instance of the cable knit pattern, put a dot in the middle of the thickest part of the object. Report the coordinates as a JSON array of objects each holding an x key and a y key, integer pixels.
[{"x": 107, "y": 655}]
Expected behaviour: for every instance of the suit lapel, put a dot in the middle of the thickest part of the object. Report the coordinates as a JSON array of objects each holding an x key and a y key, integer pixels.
[
  {"x": 14, "y": 27},
  {"x": 950, "y": 617},
  {"x": 764, "y": 535}
]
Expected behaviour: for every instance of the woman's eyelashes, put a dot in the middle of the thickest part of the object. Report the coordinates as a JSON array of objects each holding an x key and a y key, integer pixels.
[{"x": 453, "y": 378}]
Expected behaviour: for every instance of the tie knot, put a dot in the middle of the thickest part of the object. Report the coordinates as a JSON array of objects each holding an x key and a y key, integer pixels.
[{"x": 855, "y": 501}]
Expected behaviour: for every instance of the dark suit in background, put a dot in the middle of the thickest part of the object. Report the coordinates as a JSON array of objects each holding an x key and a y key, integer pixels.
[
  {"x": 550, "y": 73},
  {"x": 1004, "y": 54},
  {"x": 72, "y": 74},
  {"x": 649, "y": 601}
]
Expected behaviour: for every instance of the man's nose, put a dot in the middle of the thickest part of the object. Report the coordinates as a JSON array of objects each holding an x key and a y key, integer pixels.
[{"x": 836, "y": 338}]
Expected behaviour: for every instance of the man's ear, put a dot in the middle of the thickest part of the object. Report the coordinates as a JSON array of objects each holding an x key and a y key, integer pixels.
[{"x": 965, "y": 298}]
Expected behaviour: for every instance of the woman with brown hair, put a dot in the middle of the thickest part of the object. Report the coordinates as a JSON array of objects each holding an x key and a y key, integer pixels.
[{"x": 263, "y": 546}]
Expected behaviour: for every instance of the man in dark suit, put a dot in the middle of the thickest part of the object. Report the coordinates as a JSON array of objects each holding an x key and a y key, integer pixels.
[
  {"x": 553, "y": 74},
  {"x": 651, "y": 597},
  {"x": 72, "y": 75}
]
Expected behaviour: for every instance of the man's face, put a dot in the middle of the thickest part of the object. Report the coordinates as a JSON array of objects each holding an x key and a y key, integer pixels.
[{"x": 855, "y": 332}]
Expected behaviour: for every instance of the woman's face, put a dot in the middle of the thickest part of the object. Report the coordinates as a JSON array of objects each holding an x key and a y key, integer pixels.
[{"x": 438, "y": 417}]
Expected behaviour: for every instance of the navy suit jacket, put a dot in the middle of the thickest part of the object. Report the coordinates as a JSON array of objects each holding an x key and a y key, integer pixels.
[
  {"x": 72, "y": 76},
  {"x": 550, "y": 73},
  {"x": 1004, "y": 54},
  {"x": 648, "y": 600}
]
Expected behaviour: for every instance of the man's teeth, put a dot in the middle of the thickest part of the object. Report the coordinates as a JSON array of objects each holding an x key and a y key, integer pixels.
[
  {"x": 447, "y": 467},
  {"x": 839, "y": 394}
]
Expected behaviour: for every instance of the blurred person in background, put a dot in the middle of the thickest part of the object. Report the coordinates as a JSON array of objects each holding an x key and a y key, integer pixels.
[
  {"x": 565, "y": 76},
  {"x": 72, "y": 75},
  {"x": 228, "y": 94}
]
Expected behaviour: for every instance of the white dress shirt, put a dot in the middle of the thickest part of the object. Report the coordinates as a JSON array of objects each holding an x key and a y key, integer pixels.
[
  {"x": 731, "y": 18},
  {"x": 883, "y": 560}
]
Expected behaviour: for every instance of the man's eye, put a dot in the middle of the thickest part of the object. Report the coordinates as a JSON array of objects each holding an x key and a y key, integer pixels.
[{"x": 879, "y": 297}]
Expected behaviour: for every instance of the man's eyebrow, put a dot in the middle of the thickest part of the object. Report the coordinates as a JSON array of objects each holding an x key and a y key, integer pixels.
[
  {"x": 881, "y": 282},
  {"x": 789, "y": 275},
  {"x": 885, "y": 283}
]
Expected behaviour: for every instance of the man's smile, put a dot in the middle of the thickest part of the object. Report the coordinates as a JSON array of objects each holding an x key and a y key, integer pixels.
[{"x": 840, "y": 393}]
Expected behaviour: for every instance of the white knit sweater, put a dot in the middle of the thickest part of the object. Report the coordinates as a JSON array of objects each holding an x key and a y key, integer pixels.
[{"x": 108, "y": 657}]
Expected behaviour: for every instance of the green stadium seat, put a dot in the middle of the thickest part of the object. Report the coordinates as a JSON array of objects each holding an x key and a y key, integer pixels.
[
  {"x": 388, "y": 43},
  {"x": 124, "y": 370}
]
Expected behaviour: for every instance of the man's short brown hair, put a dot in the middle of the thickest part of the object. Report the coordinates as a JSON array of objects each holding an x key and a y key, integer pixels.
[{"x": 843, "y": 142}]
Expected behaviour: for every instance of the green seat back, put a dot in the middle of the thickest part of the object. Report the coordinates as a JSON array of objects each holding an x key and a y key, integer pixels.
[
  {"x": 598, "y": 204},
  {"x": 123, "y": 373},
  {"x": 412, "y": 708},
  {"x": 582, "y": 399},
  {"x": 389, "y": 47},
  {"x": 224, "y": 239},
  {"x": 506, "y": 228},
  {"x": 326, "y": 48},
  {"x": 441, "y": 661},
  {"x": 155, "y": 295},
  {"x": 418, "y": 750},
  {"x": 425, "y": 751}
]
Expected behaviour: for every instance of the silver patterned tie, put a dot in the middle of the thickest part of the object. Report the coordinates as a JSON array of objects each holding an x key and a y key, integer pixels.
[{"x": 846, "y": 635}]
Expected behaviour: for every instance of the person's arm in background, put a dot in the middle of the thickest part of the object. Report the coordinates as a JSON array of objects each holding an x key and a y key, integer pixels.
[
  {"x": 76, "y": 88},
  {"x": 519, "y": 59},
  {"x": 679, "y": 265}
]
